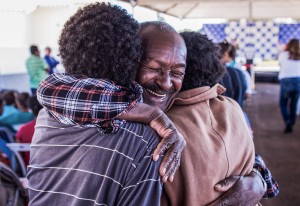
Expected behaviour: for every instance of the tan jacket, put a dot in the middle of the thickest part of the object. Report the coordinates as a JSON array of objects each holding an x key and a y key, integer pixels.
[{"x": 219, "y": 145}]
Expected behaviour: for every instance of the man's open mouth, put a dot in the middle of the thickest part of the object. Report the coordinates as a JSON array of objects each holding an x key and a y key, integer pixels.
[{"x": 156, "y": 94}]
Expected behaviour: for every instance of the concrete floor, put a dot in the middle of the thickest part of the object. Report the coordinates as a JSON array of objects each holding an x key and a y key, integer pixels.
[{"x": 280, "y": 151}]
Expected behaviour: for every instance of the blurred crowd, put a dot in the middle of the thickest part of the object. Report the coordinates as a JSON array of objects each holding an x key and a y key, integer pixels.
[{"x": 17, "y": 120}]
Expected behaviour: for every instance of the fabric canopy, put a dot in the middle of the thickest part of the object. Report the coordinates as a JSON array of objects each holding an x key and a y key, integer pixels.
[{"x": 229, "y": 9}]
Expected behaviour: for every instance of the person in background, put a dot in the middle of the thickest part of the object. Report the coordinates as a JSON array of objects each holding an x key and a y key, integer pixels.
[
  {"x": 51, "y": 61},
  {"x": 21, "y": 101},
  {"x": 244, "y": 83},
  {"x": 25, "y": 133},
  {"x": 1, "y": 105},
  {"x": 9, "y": 101},
  {"x": 36, "y": 67},
  {"x": 12, "y": 117},
  {"x": 289, "y": 77}
]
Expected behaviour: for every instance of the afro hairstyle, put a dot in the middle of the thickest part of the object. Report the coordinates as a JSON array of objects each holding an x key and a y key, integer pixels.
[
  {"x": 101, "y": 41},
  {"x": 203, "y": 67}
]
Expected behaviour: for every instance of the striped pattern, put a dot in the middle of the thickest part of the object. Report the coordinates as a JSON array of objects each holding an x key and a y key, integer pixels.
[
  {"x": 36, "y": 70},
  {"x": 76, "y": 99},
  {"x": 80, "y": 166}
]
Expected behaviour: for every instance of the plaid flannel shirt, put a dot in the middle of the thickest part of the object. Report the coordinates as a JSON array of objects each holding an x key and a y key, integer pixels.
[
  {"x": 89, "y": 102},
  {"x": 272, "y": 186},
  {"x": 78, "y": 100}
]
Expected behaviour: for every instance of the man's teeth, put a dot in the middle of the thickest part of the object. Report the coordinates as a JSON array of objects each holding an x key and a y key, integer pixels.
[{"x": 159, "y": 95}]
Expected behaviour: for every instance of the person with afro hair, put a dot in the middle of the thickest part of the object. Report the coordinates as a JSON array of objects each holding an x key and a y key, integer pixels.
[
  {"x": 102, "y": 57},
  {"x": 223, "y": 145},
  {"x": 100, "y": 47}
]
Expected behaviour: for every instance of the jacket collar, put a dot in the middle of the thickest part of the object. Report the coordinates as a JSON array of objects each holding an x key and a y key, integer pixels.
[{"x": 197, "y": 95}]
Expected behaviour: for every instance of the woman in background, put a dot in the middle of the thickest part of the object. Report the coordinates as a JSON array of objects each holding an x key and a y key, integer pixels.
[{"x": 289, "y": 77}]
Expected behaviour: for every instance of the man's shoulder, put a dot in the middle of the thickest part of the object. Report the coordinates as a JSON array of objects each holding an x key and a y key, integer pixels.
[
  {"x": 126, "y": 133},
  {"x": 34, "y": 60}
]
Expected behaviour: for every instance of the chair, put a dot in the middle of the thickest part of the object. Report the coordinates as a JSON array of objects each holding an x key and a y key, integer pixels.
[
  {"x": 16, "y": 148},
  {"x": 7, "y": 135}
]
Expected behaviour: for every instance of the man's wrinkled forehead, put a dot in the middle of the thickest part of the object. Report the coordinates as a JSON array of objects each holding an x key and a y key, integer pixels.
[{"x": 154, "y": 40}]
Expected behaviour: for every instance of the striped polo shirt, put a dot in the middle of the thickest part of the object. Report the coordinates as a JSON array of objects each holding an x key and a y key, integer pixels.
[
  {"x": 76, "y": 166},
  {"x": 36, "y": 70}
]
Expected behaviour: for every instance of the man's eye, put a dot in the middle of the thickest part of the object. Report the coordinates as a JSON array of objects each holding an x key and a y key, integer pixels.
[
  {"x": 178, "y": 74},
  {"x": 156, "y": 69}
]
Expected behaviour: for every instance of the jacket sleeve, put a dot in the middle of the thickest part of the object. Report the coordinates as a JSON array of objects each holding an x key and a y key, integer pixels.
[
  {"x": 86, "y": 100},
  {"x": 272, "y": 185}
]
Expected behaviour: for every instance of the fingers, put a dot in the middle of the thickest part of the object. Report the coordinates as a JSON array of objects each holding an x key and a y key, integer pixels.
[
  {"x": 226, "y": 184},
  {"x": 161, "y": 148},
  {"x": 171, "y": 161},
  {"x": 167, "y": 168},
  {"x": 173, "y": 169},
  {"x": 173, "y": 144}
]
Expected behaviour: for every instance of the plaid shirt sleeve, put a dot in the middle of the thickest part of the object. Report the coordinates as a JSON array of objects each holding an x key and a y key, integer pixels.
[
  {"x": 78, "y": 100},
  {"x": 272, "y": 185}
]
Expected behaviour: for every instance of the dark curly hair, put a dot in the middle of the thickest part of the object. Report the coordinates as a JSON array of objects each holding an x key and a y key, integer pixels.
[
  {"x": 203, "y": 67},
  {"x": 101, "y": 41}
]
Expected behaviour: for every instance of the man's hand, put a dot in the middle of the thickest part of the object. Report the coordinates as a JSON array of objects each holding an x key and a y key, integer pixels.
[
  {"x": 173, "y": 143},
  {"x": 172, "y": 140},
  {"x": 240, "y": 190}
]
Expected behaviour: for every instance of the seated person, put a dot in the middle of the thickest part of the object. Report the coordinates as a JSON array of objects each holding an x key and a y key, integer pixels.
[
  {"x": 1, "y": 105},
  {"x": 12, "y": 116},
  {"x": 25, "y": 133},
  {"x": 9, "y": 104},
  {"x": 21, "y": 101}
]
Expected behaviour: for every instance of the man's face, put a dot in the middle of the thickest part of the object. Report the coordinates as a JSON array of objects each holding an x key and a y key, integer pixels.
[
  {"x": 162, "y": 69},
  {"x": 225, "y": 58},
  {"x": 47, "y": 52},
  {"x": 37, "y": 53}
]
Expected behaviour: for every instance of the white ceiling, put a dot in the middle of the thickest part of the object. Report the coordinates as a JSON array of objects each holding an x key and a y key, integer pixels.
[{"x": 230, "y": 9}]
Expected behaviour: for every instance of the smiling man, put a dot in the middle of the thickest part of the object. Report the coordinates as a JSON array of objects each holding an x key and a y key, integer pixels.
[{"x": 163, "y": 65}]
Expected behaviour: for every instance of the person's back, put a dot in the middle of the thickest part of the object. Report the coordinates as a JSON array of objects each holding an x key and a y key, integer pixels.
[
  {"x": 92, "y": 169},
  {"x": 109, "y": 164},
  {"x": 235, "y": 84},
  {"x": 234, "y": 79},
  {"x": 219, "y": 143}
]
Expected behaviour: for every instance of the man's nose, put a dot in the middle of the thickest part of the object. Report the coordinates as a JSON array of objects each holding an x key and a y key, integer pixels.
[{"x": 164, "y": 81}]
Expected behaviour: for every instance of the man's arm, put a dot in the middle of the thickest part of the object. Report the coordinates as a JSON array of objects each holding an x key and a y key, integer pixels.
[
  {"x": 248, "y": 189},
  {"x": 272, "y": 185},
  {"x": 89, "y": 101}
]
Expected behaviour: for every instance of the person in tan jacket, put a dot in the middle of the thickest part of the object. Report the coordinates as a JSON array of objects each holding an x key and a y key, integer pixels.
[{"x": 219, "y": 143}]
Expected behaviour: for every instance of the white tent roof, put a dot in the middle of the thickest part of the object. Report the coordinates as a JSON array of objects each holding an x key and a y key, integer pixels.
[{"x": 230, "y": 9}]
